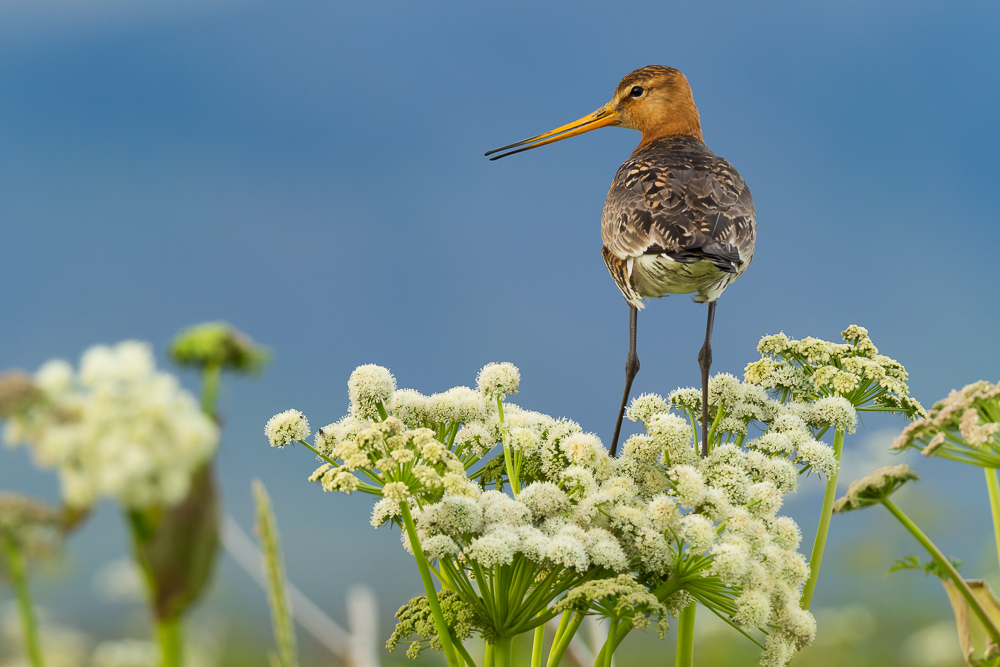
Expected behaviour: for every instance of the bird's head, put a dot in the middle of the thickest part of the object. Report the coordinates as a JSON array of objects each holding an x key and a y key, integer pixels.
[{"x": 655, "y": 100}]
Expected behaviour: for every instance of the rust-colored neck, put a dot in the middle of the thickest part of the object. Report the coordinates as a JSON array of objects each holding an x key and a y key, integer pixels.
[{"x": 678, "y": 119}]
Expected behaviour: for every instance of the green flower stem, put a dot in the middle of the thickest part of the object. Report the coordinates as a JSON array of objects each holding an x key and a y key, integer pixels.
[
  {"x": 210, "y": 377},
  {"x": 19, "y": 580},
  {"x": 613, "y": 641},
  {"x": 685, "y": 636},
  {"x": 823, "y": 529},
  {"x": 168, "y": 634},
  {"x": 945, "y": 564},
  {"x": 489, "y": 656},
  {"x": 993, "y": 486},
  {"x": 432, "y": 600},
  {"x": 562, "y": 639},
  {"x": 464, "y": 654},
  {"x": 537, "y": 645},
  {"x": 502, "y": 652},
  {"x": 464, "y": 586},
  {"x": 508, "y": 457},
  {"x": 362, "y": 486},
  {"x": 168, "y": 629},
  {"x": 715, "y": 425},
  {"x": 613, "y": 624}
]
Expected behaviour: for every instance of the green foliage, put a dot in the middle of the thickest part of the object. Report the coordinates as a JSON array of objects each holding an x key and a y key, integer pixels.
[
  {"x": 930, "y": 567},
  {"x": 277, "y": 598}
]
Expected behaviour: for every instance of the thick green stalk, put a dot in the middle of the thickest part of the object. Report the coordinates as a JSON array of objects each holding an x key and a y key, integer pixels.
[
  {"x": 503, "y": 650},
  {"x": 210, "y": 388},
  {"x": 685, "y": 636},
  {"x": 425, "y": 575},
  {"x": 536, "y": 646},
  {"x": 823, "y": 529},
  {"x": 993, "y": 486},
  {"x": 168, "y": 634},
  {"x": 945, "y": 564},
  {"x": 19, "y": 580}
]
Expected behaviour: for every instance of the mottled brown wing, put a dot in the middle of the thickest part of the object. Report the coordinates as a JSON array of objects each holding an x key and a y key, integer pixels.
[{"x": 675, "y": 197}]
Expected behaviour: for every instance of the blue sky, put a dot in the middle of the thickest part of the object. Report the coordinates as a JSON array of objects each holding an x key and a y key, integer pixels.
[{"x": 313, "y": 173}]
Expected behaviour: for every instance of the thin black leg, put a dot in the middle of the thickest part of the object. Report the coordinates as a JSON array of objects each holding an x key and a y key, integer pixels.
[
  {"x": 705, "y": 361},
  {"x": 631, "y": 368}
]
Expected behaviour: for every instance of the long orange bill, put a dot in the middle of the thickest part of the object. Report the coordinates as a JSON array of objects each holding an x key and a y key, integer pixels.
[{"x": 603, "y": 117}]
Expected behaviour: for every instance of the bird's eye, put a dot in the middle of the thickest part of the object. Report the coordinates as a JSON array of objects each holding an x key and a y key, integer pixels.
[{"x": 637, "y": 91}]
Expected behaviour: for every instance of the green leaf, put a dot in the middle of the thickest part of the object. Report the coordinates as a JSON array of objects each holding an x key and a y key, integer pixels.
[{"x": 930, "y": 567}]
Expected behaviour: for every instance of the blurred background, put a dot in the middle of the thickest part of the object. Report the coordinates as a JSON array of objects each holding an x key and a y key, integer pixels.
[{"x": 312, "y": 172}]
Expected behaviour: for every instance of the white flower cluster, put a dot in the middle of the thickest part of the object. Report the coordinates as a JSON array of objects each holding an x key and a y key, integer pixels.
[
  {"x": 656, "y": 514},
  {"x": 808, "y": 369},
  {"x": 966, "y": 422},
  {"x": 788, "y": 427},
  {"x": 403, "y": 462},
  {"x": 286, "y": 427},
  {"x": 117, "y": 428}
]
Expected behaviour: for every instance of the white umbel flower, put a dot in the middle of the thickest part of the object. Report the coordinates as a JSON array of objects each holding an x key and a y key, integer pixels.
[
  {"x": 838, "y": 412},
  {"x": 544, "y": 499},
  {"x": 583, "y": 449},
  {"x": 646, "y": 406},
  {"x": 454, "y": 515},
  {"x": 368, "y": 386},
  {"x": 498, "y": 380},
  {"x": 499, "y": 508},
  {"x": 698, "y": 531},
  {"x": 690, "y": 485},
  {"x": 123, "y": 429},
  {"x": 384, "y": 510},
  {"x": 286, "y": 427},
  {"x": 495, "y": 548},
  {"x": 397, "y": 491},
  {"x": 409, "y": 406},
  {"x": 664, "y": 513},
  {"x": 439, "y": 546},
  {"x": 569, "y": 551}
]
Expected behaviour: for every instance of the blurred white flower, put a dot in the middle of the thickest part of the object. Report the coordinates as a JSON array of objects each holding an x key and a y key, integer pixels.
[{"x": 118, "y": 428}]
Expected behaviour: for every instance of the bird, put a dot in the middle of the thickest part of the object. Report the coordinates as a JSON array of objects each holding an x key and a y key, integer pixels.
[{"x": 678, "y": 219}]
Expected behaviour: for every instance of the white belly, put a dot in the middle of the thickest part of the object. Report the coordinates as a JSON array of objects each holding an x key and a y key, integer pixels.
[{"x": 659, "y": 275}]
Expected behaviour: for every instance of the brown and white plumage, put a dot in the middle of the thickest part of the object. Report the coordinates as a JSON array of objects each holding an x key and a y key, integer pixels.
[{"x": 678, "y": 219}]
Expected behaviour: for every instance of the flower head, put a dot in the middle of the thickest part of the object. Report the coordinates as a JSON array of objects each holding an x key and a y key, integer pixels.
[
  {"x": 117, "y": 428},
  {"x": 218, "y": 344},
  {"x": 645, "y": 406},
  {"x": 874, "y": 488},
  {"x": 368, "y": 387},
  {"x": 498, "y": 379},
  {"x": 17, "y": 393},
  {"x": 286, "y": 427}
]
